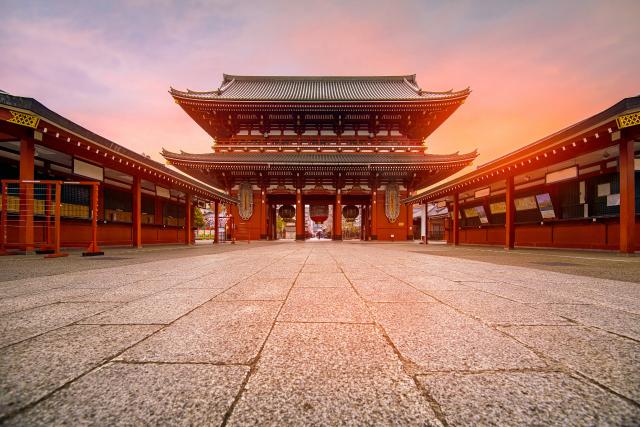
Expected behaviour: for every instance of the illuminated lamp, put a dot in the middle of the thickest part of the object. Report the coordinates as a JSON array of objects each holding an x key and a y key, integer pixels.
[{"x": 287, "y": 212}]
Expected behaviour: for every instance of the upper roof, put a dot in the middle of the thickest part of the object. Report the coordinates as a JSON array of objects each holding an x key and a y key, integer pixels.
[
  {"x": 34, "y": 107},
  {"x": 316, "y": 88}
]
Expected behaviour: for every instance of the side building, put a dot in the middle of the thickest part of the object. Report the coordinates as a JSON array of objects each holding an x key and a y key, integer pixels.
[
  {"x": 140, "y": 201},
  {"x": 576, "y": 188}
]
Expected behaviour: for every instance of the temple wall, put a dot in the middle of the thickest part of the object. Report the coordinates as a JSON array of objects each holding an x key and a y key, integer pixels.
[
  {"x": 577, "y": 234},
  {"x": 250, "y": 228},
  {"x": 387, "y": 230}
]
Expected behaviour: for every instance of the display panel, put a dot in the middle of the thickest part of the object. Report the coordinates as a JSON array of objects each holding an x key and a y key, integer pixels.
[
  {"x": 545, "y": 205},
  {"x": 525, "y": 203},
  {"x": 498, "y": 207}
]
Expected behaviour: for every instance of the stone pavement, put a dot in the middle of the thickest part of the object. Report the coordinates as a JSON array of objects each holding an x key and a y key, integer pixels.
[{"x": 318, "y": 334}]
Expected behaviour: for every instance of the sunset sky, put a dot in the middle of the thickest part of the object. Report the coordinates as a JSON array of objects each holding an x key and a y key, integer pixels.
[{"x": 534, "y": 67}]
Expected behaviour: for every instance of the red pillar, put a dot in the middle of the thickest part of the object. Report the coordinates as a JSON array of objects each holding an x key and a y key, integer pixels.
[
  {"x": 456, "y": 221},
  {"x": 263, "y": 213},
  {"x": 187, "y": 219},
  {"x": 337, "y": 217},
  {"x": 136, "y": 225},
  {"x": 216, "y": 222},
  {"x": 27, "y": 158},
  {"x": 299, "y": 216},
  {"x": 510, "y": 216},
  {"x": 409, "y": 221},
  {"x": 374, "y": 215},
  {"x": 426, "y": 223},
  {"x": 627, "y": 198}
]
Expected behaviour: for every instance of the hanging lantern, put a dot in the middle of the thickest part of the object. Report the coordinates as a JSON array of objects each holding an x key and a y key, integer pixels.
[
  {"x": 287, "y": 212},
  {"x": 350, "y": 212},
  {"x": 319, "y": 213}
]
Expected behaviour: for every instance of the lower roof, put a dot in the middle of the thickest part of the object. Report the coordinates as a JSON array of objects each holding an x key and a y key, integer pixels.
[{"x": 338, "y": 159}]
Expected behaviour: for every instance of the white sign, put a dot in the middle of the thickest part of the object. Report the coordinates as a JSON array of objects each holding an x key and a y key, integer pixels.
[
  {"x": 613, "y": 200},
  {"x": 604, "y": 189},
  {"x": 562, "y": 174},
  {"x": 163, "y": 192},
  {"x": 88, "y": 170}
]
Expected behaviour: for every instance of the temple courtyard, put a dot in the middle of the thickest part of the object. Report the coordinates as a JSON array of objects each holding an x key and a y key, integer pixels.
[{"x": 321, "y": 333}]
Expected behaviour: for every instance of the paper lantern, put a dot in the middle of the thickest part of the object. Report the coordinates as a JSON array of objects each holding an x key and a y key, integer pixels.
[
  {"x": 350, "y": 212},
  {"x": 319, "y": 213},
  {"x": 287, "y": 212}
]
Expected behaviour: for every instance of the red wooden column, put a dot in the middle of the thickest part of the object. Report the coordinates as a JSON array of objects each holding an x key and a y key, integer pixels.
[
  {"x": 188, "y": 211},
  {"x": 299, "y": 216},
  {"x": 263, "y": 213},
  {"x": 425, "y": 211},
  {"x": 27, "y": 159},
  {"x": 374, "y": 215},
  {"x": 337, "y": 216},
  {"x": 627, "y": 198},
  {"x": 216, "y": 222},
  {"x": 137, "y": 212},
  {"x": 409, "y": 226},
  {"x": 456, "y": 221},
  {"x": 510, "y": 216}
]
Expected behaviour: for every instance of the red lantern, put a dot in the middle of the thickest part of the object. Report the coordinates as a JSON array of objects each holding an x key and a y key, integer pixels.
[
  {"x": 350, "y": 212},
  {"x": 319, "y": 213},
  {"x": 287, "y": 212}
]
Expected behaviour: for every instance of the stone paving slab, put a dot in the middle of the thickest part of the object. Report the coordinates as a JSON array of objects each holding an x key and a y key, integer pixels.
[
  {"x": 324, "y": 305},
  {"x": 522, "y": 294},
  {"x": 52, "y": 296},
  {"x": 258, "y": 289},
  {"x": 321, "y": 280},
  {"x": 389, "y": 291},
  {"x": 150, "y": 394},
  {"x": 608, "y": 359},
  {"x": 125, "y": 293},
  {"x": 526, "y": 398},
  {"x": 19, "y": 326},
  {"x": 611, "y": 320},
  {"x": 161, "y": 308},
  {"x": 321, "y": 268},
  {"x": 330, "y": 374},
  {"x": 436, "y": 337},
  {"x": 217, "y": 332},
  {"x": 33, "y": 368},
  {"x": 434, "y": 283},
  {"x": 497, "y": 310}
]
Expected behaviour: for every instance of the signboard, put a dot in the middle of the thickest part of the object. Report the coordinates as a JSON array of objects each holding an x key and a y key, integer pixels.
[
  {"x": 498, "y": 207},
  {"x": 604, "y": 189},
  {"x": 470, "y": 213},
  {"x": 88, "y": 170},
  {"x": 525, "y": 203},
  {"x": 163, "y": 192},
  {"x": 482, "y": 214},
  {"x": 482, "y": 192},
  {"x": 613, "y": 200},
  {"x": 545, "y": 206},
  {"x": 562, "y": 174}
]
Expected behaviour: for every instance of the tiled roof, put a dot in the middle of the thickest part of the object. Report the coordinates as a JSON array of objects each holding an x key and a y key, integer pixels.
[
  {"x": 35, "y": 107},
  {"x": 321, "y": 158},
  {"x": 274, "y": 88}
]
